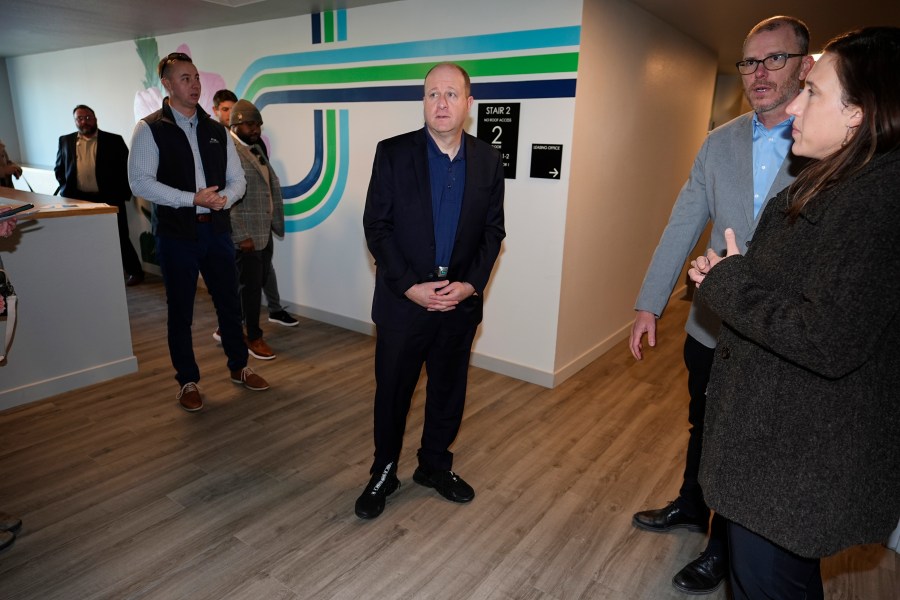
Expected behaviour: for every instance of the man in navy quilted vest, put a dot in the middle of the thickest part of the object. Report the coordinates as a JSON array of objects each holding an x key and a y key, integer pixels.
[{"x": 186, "y": 164}]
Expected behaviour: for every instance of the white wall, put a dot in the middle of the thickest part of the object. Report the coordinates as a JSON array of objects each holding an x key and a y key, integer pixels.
[
  {"x": 570, "y": 266},
  {"x": 642, "y": 109},
  {"x": 8, "y": 134}
]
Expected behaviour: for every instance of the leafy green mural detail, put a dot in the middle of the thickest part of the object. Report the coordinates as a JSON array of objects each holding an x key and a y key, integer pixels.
[{"x": 148, "y": 52}]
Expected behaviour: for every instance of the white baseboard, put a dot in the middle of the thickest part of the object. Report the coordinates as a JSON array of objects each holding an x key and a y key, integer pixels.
[{"x": 39, "y": 390}]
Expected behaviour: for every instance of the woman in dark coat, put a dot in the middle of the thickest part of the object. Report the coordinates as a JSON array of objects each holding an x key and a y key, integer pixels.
[{"x": 802, "y": 442}]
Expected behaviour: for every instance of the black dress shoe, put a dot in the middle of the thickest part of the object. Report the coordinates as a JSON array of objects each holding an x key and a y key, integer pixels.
[
  {"x": 9, "y": 522},
  {"x": 668, "y": 518},
  {"x": 382, "y": 484},
  {"x": 703, "y": 575},
  {"x": 447, "y": 483},
  {"x": 6, "y": 539}
]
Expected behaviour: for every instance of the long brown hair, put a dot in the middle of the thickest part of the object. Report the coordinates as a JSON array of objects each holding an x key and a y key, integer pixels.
[{"x": 866, "y": 61}]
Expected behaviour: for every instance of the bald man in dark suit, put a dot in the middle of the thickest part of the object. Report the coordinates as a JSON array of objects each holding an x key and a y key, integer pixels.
[{"x": 434, "y": 224}]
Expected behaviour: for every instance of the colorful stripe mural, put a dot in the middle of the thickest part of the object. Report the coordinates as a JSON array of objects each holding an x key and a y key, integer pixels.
[{"x": 539, "y": 63}]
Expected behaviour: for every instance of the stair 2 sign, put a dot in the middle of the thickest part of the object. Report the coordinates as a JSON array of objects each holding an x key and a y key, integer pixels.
[{"x": 498, "y": 125}]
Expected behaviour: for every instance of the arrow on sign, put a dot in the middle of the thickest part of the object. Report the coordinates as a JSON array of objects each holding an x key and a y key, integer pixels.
[{"x": 554, "y": 172}]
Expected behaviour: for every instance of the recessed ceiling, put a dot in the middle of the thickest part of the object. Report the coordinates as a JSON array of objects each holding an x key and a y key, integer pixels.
[
  {"x": 722, "y": 24},
  {"x": 32, "y": 27}
]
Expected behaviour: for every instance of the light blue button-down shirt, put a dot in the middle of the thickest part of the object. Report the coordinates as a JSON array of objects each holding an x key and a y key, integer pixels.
[
  {"x": 770, "y": 147},
  {"x": 143, "y": 162}
]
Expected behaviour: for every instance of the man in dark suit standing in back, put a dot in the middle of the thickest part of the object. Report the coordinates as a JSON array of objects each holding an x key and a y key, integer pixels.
[
  {"x": 434, "y": 223},
  {"x": 93, "y": 165}
]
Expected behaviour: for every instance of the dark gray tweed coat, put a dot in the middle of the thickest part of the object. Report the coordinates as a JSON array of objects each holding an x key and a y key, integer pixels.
[{"x": 802, "y": 438}]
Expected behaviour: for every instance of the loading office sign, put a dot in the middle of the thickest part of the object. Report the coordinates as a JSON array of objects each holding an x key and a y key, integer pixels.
[
  {"x": 498, "y": 125},
  {"x": 546, "y": 161}
]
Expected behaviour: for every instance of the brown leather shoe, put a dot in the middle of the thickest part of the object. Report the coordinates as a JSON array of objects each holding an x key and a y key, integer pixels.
[
  {"x": 189, "y": 397},
  {"x": 9, "y": 522},
  {"x": 260, "y": 349},
  {"x": 249, "y": 379}
]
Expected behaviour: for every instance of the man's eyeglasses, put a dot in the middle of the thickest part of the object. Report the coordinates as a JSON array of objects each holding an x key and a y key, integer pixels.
[
  {"x": 774, "y": 62},
  {"x": 174, "y": 56}
]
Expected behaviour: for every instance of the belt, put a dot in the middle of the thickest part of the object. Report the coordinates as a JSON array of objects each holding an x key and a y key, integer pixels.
[
  {"x": 204, "y": 217},
  {"x": 437, "y": 273}
]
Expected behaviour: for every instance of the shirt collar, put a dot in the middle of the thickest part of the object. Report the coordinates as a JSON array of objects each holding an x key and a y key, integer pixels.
[
  {"x": 757, "y": 124},
  {"x": 182, "y": 120},
  {"x": 436, "y": 152}
]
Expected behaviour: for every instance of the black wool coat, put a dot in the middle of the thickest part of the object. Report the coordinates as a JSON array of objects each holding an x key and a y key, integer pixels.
[{"x": 802, "y": 432}]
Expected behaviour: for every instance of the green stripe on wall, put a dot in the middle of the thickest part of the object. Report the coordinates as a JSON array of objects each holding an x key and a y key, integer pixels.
[
  {"x": 566, "y": 62},
  {"x": 329, "y": 26}
]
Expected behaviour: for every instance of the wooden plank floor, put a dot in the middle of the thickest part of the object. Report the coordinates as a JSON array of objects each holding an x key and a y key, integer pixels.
[{"x": 124, "y": 495}]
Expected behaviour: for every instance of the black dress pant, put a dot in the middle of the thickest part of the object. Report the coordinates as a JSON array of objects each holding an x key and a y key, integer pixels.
[
  {"x": 435, "y": 340},
  {"x": 763, "y": 570},
  {"x": 699, "y": 360},
  {"x": 131, "y": 264},
  {"x": 254, "y": 269}
]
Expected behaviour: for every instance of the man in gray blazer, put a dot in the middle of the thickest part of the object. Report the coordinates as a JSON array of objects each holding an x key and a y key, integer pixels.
[
  {"x": 254, "y": 218},
  {"x": 739, "y": 167}
]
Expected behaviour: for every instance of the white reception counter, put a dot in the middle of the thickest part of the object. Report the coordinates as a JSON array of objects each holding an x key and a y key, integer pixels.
[{"x": 72, "y": 327}]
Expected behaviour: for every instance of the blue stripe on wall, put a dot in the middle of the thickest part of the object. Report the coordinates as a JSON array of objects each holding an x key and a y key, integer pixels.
[
  {"x": 316, "y": 30},
  {"x": 342, "y": 25},
  {"x": 551, "y": 88},
  {"x": 315, "y": 171}
]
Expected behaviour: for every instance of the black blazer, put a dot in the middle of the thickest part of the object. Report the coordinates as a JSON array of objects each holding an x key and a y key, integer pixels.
[
  {"x": 112, "y": 169},
  {"x": 400, "y": 232}
]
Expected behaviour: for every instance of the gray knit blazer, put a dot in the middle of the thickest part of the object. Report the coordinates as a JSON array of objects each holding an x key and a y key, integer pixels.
[{"x": 802, "y": 437}]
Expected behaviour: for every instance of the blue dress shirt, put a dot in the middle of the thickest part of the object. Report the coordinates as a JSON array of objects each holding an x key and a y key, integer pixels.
[
  {"x": 448, "y": 181},
  {"x": 770, "y": 147}
]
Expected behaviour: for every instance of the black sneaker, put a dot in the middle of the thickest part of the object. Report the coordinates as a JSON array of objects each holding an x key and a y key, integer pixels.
[
  {"x": 283, "y": 318},
  {"x": 447, "y": 483},
  {"x": 370, "y": 504}
]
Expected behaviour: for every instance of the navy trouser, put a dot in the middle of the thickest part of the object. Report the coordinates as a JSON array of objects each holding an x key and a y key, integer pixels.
[
  {"x": 699, "y": 360},
  {"x": 399, "y": 355},
  {"x": 763, "y": 570},
  {"x": 211, "y": 255}
]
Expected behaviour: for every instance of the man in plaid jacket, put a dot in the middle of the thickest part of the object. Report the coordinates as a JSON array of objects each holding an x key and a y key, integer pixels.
[{"x": 254, "y": 218}]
